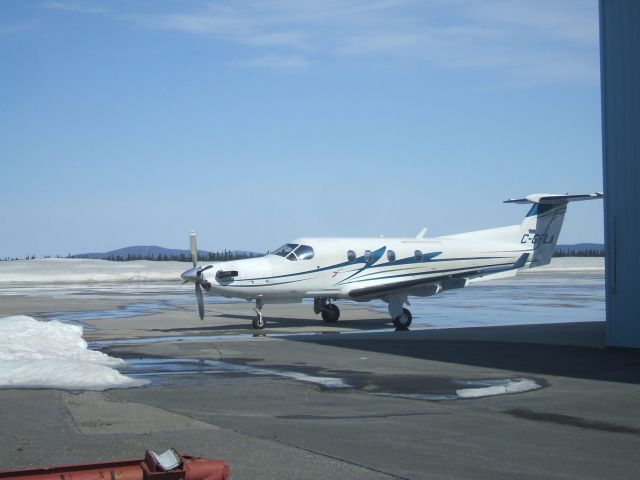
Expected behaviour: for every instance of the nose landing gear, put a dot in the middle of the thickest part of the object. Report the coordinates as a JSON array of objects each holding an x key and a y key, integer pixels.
[{"x": 259, "y": 322}]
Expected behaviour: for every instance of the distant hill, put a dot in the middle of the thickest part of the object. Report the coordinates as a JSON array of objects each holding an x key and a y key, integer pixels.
[
  {"x": 580, "y": 250},
  {"x": 154, "y": 252}
]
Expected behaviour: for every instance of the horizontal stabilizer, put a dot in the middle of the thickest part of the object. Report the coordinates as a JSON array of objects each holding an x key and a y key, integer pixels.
[{"x": 550, "y": 198}]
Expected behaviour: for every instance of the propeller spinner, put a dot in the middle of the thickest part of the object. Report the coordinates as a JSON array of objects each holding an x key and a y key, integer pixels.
[{"x": 195, "y": 274}]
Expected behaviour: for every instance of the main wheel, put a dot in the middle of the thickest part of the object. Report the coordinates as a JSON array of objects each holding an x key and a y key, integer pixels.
[
  {"x": 258, "y": 322},
  {"x": 402, "y": 322},
  {"x": 331, "y": 313}
]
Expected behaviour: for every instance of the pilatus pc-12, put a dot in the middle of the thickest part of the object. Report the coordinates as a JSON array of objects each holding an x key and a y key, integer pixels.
[{"x": 389, "y": 269}]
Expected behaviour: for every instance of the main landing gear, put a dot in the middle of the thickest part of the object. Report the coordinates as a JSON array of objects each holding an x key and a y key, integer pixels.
[
  {"x": 330, "y": 311},
  {"x": 400, "y": 316},
  {"x": 258, "y": 322},
  {"x": 402, "y": 322}
]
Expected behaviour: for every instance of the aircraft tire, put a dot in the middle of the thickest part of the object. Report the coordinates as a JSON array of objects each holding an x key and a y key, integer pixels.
[
  {"x": 402, "y": 322},
  {"x": 331, "y": 314},
  {"x": 258, "y": 322}
]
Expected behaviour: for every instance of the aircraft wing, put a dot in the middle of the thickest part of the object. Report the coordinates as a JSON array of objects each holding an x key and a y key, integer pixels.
[
  {"x": 454, "y": 280},
  {"x": 494, "y": 276}
]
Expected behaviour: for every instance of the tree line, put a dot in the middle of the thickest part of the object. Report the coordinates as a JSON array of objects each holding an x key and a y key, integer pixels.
[
  {"x": 162, "y": 257},
  {"x": 579, "y": 253},
  {"x": 183, "y": 257}
]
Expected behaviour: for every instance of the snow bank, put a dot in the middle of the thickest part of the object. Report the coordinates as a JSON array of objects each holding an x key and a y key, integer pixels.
[
  {"x": 71, "y": 270},
  {"x": 570, "y": 264},
  {"x": 500, "y": 388},
  {"x": 35, "y": 354}
]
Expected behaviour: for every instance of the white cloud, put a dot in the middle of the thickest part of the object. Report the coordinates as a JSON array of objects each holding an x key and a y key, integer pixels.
[
  {"x": 75, "y": 7},
  {"x": 530, "y": 41}
]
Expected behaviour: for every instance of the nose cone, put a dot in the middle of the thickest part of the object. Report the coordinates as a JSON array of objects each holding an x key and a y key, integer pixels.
[{"x": 190, "y": 275}]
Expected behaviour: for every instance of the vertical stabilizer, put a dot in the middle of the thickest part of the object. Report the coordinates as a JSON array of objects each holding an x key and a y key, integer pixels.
[{"x": 540, "y": 229}]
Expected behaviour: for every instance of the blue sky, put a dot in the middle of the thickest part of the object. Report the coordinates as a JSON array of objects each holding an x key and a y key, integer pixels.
[{"x": 127, "y": 123}]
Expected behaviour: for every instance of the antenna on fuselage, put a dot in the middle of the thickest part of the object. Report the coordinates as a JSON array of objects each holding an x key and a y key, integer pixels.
[{"x": 422, "y": 234}]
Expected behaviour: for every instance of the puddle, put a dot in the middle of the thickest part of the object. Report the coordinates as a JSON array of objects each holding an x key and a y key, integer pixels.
[
  {"x": 124, "y": 311},
  {"x": 151, "y": 367},
  {"x": 414, "y": 387}
]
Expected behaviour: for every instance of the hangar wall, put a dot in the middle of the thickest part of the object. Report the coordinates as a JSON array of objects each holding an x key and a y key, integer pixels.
[{"x": 620, "y": 77}]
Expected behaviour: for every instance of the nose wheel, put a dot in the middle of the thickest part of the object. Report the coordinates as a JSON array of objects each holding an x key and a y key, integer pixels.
[{"x": 258, "y": 322}]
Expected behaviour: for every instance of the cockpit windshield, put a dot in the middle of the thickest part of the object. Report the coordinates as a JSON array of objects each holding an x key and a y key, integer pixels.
[
  {"x": 294, "y": 252},
  {"x": 285, "y": 250}
]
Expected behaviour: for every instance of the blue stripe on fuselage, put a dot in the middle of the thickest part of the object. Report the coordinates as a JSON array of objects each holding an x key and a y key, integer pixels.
[{"x": 376, "y": 255}]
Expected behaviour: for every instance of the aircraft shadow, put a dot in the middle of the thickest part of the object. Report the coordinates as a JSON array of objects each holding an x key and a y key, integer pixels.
[
  {"x": 284, "y": 325},
  {"x": 535, "y": 349}
]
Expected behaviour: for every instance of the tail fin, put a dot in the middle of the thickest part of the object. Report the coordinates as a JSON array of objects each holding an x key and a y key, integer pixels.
[{"x": 540, "y": 229}]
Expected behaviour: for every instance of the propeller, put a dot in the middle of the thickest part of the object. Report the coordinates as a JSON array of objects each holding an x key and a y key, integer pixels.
[
  {"x": 193, "y": 243},
  {"x": 195, "y": 274}
]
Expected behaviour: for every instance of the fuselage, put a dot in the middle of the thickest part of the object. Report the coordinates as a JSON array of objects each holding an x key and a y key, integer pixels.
[{"x": 335, "y": 267}]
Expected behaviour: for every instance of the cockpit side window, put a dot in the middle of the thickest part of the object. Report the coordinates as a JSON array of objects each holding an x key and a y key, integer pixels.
[
  {"x": 292, "y": 257},
  {"x": 285, "y": 250},
  {"x": 304, "y": 252}
]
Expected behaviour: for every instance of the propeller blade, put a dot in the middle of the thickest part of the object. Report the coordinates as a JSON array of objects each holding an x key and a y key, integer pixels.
[
  {"x": 194, "y": 248},
  {"x": 200, "y": 301}
]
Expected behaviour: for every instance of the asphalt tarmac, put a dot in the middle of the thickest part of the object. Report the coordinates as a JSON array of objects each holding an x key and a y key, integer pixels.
[{"x": 309, "y": 401}]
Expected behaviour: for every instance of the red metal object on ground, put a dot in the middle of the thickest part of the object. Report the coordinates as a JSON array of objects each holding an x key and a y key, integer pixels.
[{"x": 190, "y": 468}]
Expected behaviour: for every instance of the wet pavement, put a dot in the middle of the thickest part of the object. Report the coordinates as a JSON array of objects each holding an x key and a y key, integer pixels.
[
  {"x": 305, "y": 400},
  {"x": 163, "y": 371}
]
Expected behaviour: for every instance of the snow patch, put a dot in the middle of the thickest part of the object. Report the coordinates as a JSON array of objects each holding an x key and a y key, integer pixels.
[
  {"x": 500, "y": 387},
  {"x": 36, "y": 354},
  {"x": 69, "y": 270},
  {"x": 569, "y": 265}
]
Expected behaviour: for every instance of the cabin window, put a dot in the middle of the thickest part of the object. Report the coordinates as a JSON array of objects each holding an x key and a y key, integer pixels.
[
  {"x": 351, "y": 256},
  {"x": 418, "y": 255},
  {"x": 304, "y": 252},
  {"x": 391, "y": 255},
  {"x": 368, "y": 256}
]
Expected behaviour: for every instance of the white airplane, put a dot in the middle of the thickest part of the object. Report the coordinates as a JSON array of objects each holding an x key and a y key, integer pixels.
[{"x": 389, "y": 269}]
